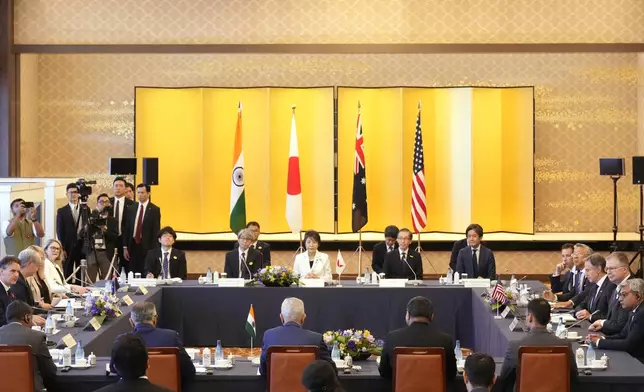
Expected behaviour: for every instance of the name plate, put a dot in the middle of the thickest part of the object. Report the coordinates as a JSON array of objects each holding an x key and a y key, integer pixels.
[
  {"x": 127, "y": 300},
  {"x": 69, "y": 341},
  {"x": 311, "y": 282},
  {"x": 514, "y": 324},
  {"x": 392, "y": 282},
  {"x": 142, "y": 282},
  {"x": 231, "y": 282},
  {"x": 505, "y": 312},
  {"x": 96, "y": 322},
  {"x": 143, "y": 290},
  {"x": 476, "y": 282}
]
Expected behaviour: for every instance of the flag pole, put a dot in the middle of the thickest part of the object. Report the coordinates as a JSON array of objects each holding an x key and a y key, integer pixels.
[{"x": 359, "y": 251}]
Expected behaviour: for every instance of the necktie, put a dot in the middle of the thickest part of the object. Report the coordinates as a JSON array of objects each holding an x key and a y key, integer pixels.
[
  {"x": 391, "y": 248},
  {"x": 403, "y": 257},
  {"x": 580, "y": 280},
  {"x": 139, "y": 226},
  {"x": 11, "y": 294},
  {"x": 166, "y": 266},
  {"x": 475, "y": 264},
  {"x": 242, "y": 261},
  {"x": 592, "y": 301},
  {"x": 77, "y": 219},
  {"x": 117, "y": 215}
]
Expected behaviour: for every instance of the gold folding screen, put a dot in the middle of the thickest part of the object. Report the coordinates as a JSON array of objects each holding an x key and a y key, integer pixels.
[{"x": 478, "y": 151}]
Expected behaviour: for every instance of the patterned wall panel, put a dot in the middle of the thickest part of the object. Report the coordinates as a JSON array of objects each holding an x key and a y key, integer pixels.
[
  {"x": 326, "y": 21},
  {"x": 586, "y": 108}
]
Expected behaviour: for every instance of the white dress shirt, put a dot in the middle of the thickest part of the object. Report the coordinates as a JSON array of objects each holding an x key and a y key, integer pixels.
[
  {"x": 6, "y": 288},
  {"x": 139, "y": 212},
  {"x": 321, "y": 266},
  {"x": 478, "y": 254},
  {"x": 241, "y": 265},
  {"x": 119, "y": 218}
]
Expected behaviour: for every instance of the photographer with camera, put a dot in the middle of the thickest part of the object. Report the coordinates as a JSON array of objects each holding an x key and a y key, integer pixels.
[
  {"x": 104, "y": 234},
  {"x": 21, "y": 231}
]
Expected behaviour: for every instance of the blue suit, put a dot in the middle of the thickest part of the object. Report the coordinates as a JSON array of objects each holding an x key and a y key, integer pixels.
[
  {"x": 292, "y": 334},
  {"x": 159, "y": 337},
  {"x": 485, "y": 268}
]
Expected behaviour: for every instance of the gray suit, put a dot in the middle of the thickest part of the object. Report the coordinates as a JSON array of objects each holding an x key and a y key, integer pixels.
[
  {"x": 44, "y": 367},
  {"x": 536, "y": 337}
]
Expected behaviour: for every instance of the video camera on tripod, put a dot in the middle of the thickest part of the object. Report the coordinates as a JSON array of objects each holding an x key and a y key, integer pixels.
[{"x": 84, "y": 189}]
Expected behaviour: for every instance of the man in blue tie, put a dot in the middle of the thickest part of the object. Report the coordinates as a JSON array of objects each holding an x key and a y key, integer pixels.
[{"x": 166, "y": 261}]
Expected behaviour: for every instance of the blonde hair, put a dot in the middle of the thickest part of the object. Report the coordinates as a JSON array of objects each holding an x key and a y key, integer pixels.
[{"x": 58, "y": 260}]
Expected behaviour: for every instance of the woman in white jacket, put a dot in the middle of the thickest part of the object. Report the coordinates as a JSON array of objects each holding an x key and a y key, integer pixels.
[
  {"x": 53, "y": 270},
  {"x": 313, "y": 264}
]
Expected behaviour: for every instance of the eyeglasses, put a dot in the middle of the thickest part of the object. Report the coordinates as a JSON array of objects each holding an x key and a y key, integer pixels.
[
  {"x": 623, "y": 294},
  {"x": 54, "y": 248},
  {"x": 614, "y": 268},
  {"x": 72, "y": 192}
]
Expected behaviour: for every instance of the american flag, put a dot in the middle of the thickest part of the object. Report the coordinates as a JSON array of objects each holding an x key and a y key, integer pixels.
[
  {"x": 359, "y": 204},
  {"x": 498, "y": 293},
  {"x": 418, "y": 198}
]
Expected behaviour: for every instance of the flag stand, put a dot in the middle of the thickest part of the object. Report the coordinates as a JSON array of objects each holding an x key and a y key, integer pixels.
[
  {"x": 420, "y": 250},
  {"x": 300, "y": 249},
  {"x": 498, "y": 316},
  {"x": 251, "y": 357},
  {"x": 360, "y": 250}
]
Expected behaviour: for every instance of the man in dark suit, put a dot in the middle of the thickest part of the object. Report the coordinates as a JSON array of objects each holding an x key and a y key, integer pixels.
[
  {"x": 381, "y": 249},
  {"x": 130, "y": 361},
  {"x": 68, "y": 227},
  {"x": 538, "y": 319},
  {"x": 479, "y": 373},
  {"x": 456, "y": 248},
  {"x": 141, "y": 229},
  {"x": 144, "y": 321},
  {"x": 9, "y": 273},
  {"x": 561, "y": 281},
  {"x": 476, "y": 260},
  {"x": 291, "y": 333},
  {"x": 419, "y": 332},
  {"x": 243, "y": 262},
  {"x": 631, "y": 337},
  {"x": 104, "y": 234},
  {"x": 264, "y": 248},
  {"x": 18, "y": 332},
  {"x": 600, "y": 292},
  {"x": 166, "y": 261},
  {"x": 618, "y": 272},
  {"x": 30, "y": 263},
  {"x": 121, "y": 204},
  {"x": 404, "y": 263},
  {"x": 579, "y": 283}
]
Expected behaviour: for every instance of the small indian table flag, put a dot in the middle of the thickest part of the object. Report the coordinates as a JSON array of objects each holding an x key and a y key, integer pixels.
[{"x": 250, "y": 328}]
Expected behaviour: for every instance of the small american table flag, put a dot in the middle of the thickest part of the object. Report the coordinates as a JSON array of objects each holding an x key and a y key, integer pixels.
[{"x": 498, "y": 293}]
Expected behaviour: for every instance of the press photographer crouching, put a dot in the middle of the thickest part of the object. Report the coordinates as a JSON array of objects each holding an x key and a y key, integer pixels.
[{"x": 103, "y": 229}]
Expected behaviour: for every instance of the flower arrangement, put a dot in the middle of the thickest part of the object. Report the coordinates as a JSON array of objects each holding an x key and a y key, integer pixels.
[
  {"x": 499, "y": 304},
  {"x": 359, "y": 344},
  {"x": 102, "y": 306},
  {"x": 277, "y": 276}
]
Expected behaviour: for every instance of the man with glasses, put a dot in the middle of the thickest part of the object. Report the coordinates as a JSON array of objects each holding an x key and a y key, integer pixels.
[
  {"x": 404, "y": 262},
  {"x": 21, "y": 231},
  {"x": 631, "y": 337},
  {"x": 617, "y": 269},
  {"x": 243, "y": 262},
  {"x": 68, "y": 228}
]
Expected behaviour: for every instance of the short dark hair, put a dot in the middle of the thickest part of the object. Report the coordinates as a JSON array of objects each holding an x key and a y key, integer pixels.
[
  {"x": 16, "y": 201},
  {"x": 405, "y": 230},
  {"x": 312, "y": 234},
  {"x": 252, "y": 223},
  {"x": 480, "y": 369},
  {"x": 5, "y": 261},
  {"x": 597, "y": 260},
  {"x": 102, "y": 195},
  {"x": 122, "y": 179},
  {"x": 391, "y": 231},
  {"x": 167, "y": 230},
  {"x": 420, "y": 307},
  {"x": 539, "y": 308},
  {"x": 568, "y": 245},
  {"x": 129, "y": 185},
  {"x": 129, "y": 356},
  {"x": 17, "y": 310},
  {"x": 477, "y": 229},
  {"x": 320, "y": 376},
  {"x": 142, "y": 185},
  {"x": 71, "y": 185}
]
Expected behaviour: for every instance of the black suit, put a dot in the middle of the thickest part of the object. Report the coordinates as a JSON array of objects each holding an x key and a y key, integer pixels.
[
  {"x": 253, "y": 261},
  {"x": 149, "y": 230},
  {"x": 485, "y": 268},
  {"x": 598, "y": 299},
  {"x": 562, "y": 283},
  {"x": 137, "y": 385},
  {"x": 264, "y": 248},
  {"x": 418, "y": 335},
  {"x": 176, "y": 261},
  {"x": 396, "y": 268},
  {"x": 22, "y": 291},
  {"x": 66, "y": 229},
  {"x": 458, "y": 245},
  {"x": 5, "y": 300},
  {"x": 574, "y": 294},
  {"x": 119, "y": 240},
  {"x": 630, "y": 338},
  {"x": 380, "y": 250},
  {"x": 616, "y": 318}
]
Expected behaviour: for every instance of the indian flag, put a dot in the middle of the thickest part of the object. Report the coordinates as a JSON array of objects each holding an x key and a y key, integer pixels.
[
  {"x": 250, "y": 323},
  {"x": 237, "y": 198}
]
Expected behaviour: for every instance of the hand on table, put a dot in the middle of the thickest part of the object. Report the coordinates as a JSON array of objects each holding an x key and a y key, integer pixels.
[
  {"x": 44, "y": 305},
  {"x": 549, "y": 296},
  {"x": 596, "y": 326},
  {"x": 582, "y": 314},
  {"x": 80, "y": 289},
  {"x": 311, "y": 275},
  {"x": 37, "y": 320},
  {"x": 593, "y": 338},
  {"x": 560, "y": 305},
  {"x": 149, "y": 276}
]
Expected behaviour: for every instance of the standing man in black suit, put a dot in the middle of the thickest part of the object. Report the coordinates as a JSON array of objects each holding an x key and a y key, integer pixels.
[
  {"x": 68, "y": 228},
  {"x": 263, "y": 247},
  {"x": 143, "y": 225},
  {"x": 617, "y": 269},
  {"x": 560, "y": 281},
  {"x": 405, "y": 263},
  {"x": 120, "y": 204},
  {"x": 243, "y": 262},
  {"x": 601, "y": 290},
  {"x": 419, "y": 332},
  {"x": 9, "y": 273},
  {"x": 165, "y": 260},
  {"x": 476, "y": 260},
  {"x": 381, "y": 249}
]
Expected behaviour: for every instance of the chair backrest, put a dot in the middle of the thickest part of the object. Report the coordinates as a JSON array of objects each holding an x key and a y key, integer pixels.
[
  {"x": 417, "y": 369},
  {"x": 163, "y": 367},
  {"x": 537, "y": 361},
  {"x": 284, "y": 367},
  {"x": 19, "y": 360}
]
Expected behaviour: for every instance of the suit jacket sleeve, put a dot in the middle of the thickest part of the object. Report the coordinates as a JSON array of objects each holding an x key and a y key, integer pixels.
[
  {"x": 626, "y": 341},
  {"x": 187, "y": 367},
  {"x": 228, "y": 269},
  {"x": 460, "y": 263},
  {"x": 378, "y": 260},
  {"x": 508, "y": 371},
  {"x": 267, "y": 254},
  {"x": 125, "y": 221},
  {"x": 450, "y": 357},
  {"x": 491, "y": 266},
  {"x": 112, "y": 232},
  {"x": 384, "y": 368},
  {"x": 458, "y": 245},
  {"x": 156, "y": 224},
  {"x": 581, "y": 297},
  {"x": 3, "y": 308},
  {"x": 262, "y": 357},
  {"x": 556, "y": 285},
  {"x": 183, "y": 266},
  {"x": 152, "y": 264},
  {"x": 46, "y": 366},
  {"x": 387, "y": 266},
  {"x": 616, "y": 324}
]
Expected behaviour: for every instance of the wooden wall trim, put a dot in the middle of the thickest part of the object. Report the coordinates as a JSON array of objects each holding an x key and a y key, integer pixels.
[
  {"x": 9, "y": 136},
  {"x": 337, "y": 48}
]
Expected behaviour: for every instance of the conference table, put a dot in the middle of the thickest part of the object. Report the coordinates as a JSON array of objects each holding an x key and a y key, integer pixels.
[{"x": 203, "y": 314}]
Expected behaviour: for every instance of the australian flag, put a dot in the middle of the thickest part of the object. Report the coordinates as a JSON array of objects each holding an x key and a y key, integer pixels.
[{"x": 359, "y": 203}]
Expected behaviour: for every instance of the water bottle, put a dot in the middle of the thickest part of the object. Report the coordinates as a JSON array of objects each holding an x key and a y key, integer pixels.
[
  {"x": 513, "y": 282},
  {"x": 604, "y": 359},
  {"x": 209, "y": 276},
  {"x": 49, "y": 324},
  {"x": 67, "y": 357},
  {"x": 219, "y": 352},
  {"x": 590, "y": 356},
  {"x": 457, "y": 351},
  {"x": 366, "y": 275},
  {"x": 335, "y": 353},
  {"x": 457, "y": 278},
  {"x": 206, "y": 357},
  {"x": 580, "y": 357},
  {"x": 122, "y": 278},
  {"x": 561, "y": 329},
  {"x": 130, "y": 277},
  {"x": 92, "y": 359},
  {"x": 79, "y": 352},
  {"x": 450, "y": 276},
  {"x": 69, "y": 311}
]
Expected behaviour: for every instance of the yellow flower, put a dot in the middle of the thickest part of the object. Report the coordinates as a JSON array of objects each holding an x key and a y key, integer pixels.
[{"x": 366, "y": 333}]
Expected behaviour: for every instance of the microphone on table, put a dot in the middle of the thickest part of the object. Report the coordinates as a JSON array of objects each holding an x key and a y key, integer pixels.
[
  {"x": 579, "y": 321},
  {"x": 415, "y": 282},
  {"x": 250, "y": 275}
]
